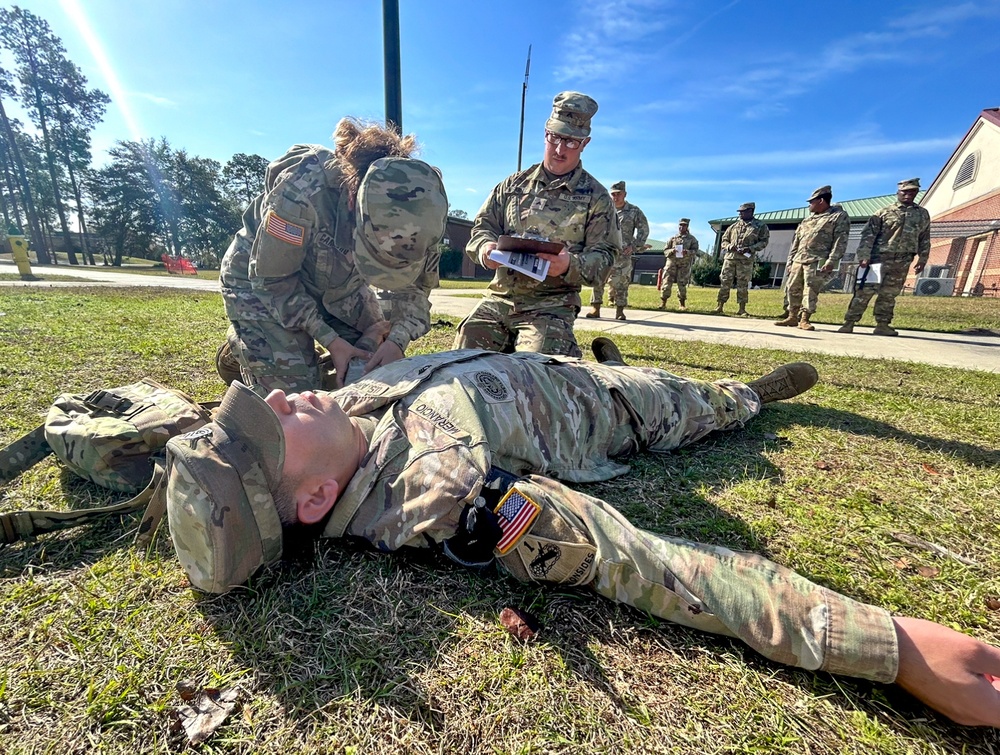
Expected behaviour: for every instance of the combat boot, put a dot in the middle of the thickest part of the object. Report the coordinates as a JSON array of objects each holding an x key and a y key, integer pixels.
[
  {"x": 606, "y": 351},
  {"x": 791, "y": 319},
  {"x": 804, "y": 321},
  {"x": 847, "y": 327},
  {"x": 785, "y": 382},
  {"x": 619, "y": 313},
  {"x": 718, "y": 310},
  {"x": 742, "y": 311},
  {"x": 226, "y": 364},
  {"x": 883, "y": 329},
  {"x": 595, "y": 311},
  {"x": 663, "y": 304},
  {"x": 682, "y": 307}
]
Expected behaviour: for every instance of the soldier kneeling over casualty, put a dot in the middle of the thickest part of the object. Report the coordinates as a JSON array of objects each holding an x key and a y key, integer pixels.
[
  {"x": 328, "y": 225},
  {"x": 461, "y": 451}
]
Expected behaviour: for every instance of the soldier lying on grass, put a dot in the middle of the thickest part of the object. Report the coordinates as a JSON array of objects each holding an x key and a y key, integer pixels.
[{"x": 461, "y": 451}]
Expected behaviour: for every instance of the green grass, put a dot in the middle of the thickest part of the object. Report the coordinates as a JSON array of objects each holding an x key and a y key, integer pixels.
[{"x": 366, "y": 653}]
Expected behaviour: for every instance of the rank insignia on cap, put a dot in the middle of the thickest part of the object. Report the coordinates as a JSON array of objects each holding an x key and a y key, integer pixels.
[
  {"x": 516, "y": 513},
  {"x": 282, "y": 230}
]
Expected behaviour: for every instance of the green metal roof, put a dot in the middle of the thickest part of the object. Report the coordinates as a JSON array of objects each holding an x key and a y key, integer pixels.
[{"x": 857, "y": 209}]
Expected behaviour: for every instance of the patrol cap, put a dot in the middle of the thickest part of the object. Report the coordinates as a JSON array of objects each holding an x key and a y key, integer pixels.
[
  {"x": 748, "y": 206},
  {"x": 820, "y": 192},
  {"x": 909, "y": 183},
  {"x": 684, "y": 221},
  {"x": 402, "y": 210},
  {"x": 571, "y": 114},
  {"x": 618, "y": 186},
  {"x": 220, "y": 479}
]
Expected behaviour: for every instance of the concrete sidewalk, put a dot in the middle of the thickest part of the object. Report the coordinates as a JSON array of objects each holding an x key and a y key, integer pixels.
[{"x": 971, "y": 352}]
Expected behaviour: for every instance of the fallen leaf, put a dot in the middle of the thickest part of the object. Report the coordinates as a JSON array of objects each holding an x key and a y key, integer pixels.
[
  {"x": 928, "y": 571},
  {"x": 929, "y": 469},
  {"x": 519, "y": 623},
  {"x": 902, "y": 563},
  {"x": 823, "y": 465},
  {"x": 205, "y": 712},
  {"x": 993, "y": 603}
]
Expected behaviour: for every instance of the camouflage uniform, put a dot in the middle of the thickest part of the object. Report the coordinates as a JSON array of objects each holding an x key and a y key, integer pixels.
[
  {"x": 678, "y": 269},
  {"x": 289, "y": 278},
  {"x": 737, "y": 266},
  {"x": 893, "y": 236},
  {"x": 439, "y": 426},
  {"x": 820, "y": 240},
  {"x": 635, "y": 231},
  {"x": 520, "y": 313}
]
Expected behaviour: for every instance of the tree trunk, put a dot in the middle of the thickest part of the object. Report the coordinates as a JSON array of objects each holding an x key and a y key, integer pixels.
[
  {"x": 88, "y": 255},
  {"x": 41, "y": 249}
]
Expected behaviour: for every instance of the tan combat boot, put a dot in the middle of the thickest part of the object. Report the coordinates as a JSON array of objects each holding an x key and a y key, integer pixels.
[
  {"x": 847, "y": 327},
  {"x": 682, "y": 307},
  {"x": 606, "y": 351},
  {"x": 785, "y": 382},
  {"x": 742, "y": 311},
  {"x": 663, "y": 304},
  {"x": 804, "y": 321},
  {"x": 226, "y": 364},
  {"x": 883, "y": 329},
  {"x": 791, "y": 319},
  {"x": 620, "y": 313},
  {"x": 718, "y": 310},
  {"x": 595, "y": 311}
]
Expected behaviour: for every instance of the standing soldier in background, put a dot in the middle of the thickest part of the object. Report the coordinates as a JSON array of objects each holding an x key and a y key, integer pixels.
[
  {"x": 740, "y": 244},
  {"x": 561, "y": 202},
  {"x": 328, "y": 224},
  {"x": 680, "y": 252},
  {"x": 893, "y": 236},
  {"x": 635, "y": 231},
  {"x": 819, "y": 243}
]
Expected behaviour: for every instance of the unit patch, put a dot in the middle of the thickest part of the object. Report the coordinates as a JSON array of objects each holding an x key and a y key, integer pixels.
[{"x": 491, "y": 386}]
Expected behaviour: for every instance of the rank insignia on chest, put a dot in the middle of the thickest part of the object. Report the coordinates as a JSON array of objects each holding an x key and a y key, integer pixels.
[
  {"x": 285, "y": 231},
  {"x": 516, "y": 513}
]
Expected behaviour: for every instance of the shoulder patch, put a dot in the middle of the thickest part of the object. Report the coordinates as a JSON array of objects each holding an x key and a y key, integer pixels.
[
  {"x": 284, "y": 230},
  {"x": 492, "y": 386}
]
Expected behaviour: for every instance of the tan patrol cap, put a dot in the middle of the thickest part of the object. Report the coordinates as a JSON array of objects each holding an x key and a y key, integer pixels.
[
  {"x": 220, "y": 483},
  {"x": 571, "y": 114},
  {"x": 618, "y": 186},
  {"x": 748, "y": 206},
  {"x": 820, "y": 192},
  {"x": 909, "y": 183}
]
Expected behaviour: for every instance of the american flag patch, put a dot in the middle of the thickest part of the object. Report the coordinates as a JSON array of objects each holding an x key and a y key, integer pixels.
[
  {"x": 285, "y": 231},
  {"x": 516, "y": 514}
]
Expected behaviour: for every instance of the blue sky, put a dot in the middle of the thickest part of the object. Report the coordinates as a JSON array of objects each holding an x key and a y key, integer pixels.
[{"x": 704, "y": 104}]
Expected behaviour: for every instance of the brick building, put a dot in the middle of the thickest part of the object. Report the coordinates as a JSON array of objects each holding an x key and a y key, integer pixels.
[{"x": 964, "y": 204}]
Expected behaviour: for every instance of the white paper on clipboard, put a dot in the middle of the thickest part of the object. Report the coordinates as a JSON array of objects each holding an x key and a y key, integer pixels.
[{"x": 523, "y": 262}]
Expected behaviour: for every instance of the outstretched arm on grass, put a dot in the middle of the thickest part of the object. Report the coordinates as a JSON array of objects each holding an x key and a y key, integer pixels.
[{"x": 951, "y": 672}]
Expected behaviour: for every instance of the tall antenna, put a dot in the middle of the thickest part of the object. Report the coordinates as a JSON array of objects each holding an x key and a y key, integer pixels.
[
  {"x": 524, "y": 91},
  {"x": 393, "y": 81}
]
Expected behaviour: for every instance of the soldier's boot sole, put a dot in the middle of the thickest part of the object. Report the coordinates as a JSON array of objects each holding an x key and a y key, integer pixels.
[
  {"x": 226, "y": 364},
  {"x": 786, "y": 381},
  {"x": 606, "y": 351}
]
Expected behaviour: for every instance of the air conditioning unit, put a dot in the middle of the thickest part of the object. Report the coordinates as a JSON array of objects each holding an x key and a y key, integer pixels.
[
  {"x": 934, "y": 287},
  {"x": 938, "y": 271}
]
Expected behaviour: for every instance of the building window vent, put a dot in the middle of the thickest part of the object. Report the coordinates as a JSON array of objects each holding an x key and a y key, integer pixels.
[{"x": 967, "y": 171}]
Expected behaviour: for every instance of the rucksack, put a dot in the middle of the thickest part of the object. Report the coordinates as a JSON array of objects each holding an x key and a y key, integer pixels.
[{"x": 113, "y": 437}]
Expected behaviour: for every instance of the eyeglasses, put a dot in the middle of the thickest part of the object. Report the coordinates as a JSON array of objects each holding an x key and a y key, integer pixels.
[{"x": 567, "y": 142}]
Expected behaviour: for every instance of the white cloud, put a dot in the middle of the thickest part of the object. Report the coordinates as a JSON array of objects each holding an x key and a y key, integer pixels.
[{"x": 154, "y": 98}]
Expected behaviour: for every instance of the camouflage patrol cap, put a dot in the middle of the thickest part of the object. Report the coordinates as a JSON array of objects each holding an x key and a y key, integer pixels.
[
  {"x": 909, "y": 183},
  {"x": 220, "y": 510},
  {"x": 571, "y": 114},
  {"x": 820, "y": 192},
  {"x": 748, "y": 206},
  {"x": 402, "y": 210},
  {"x": 684, "y": 221},
  {"x": 618, "y": 186}
]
